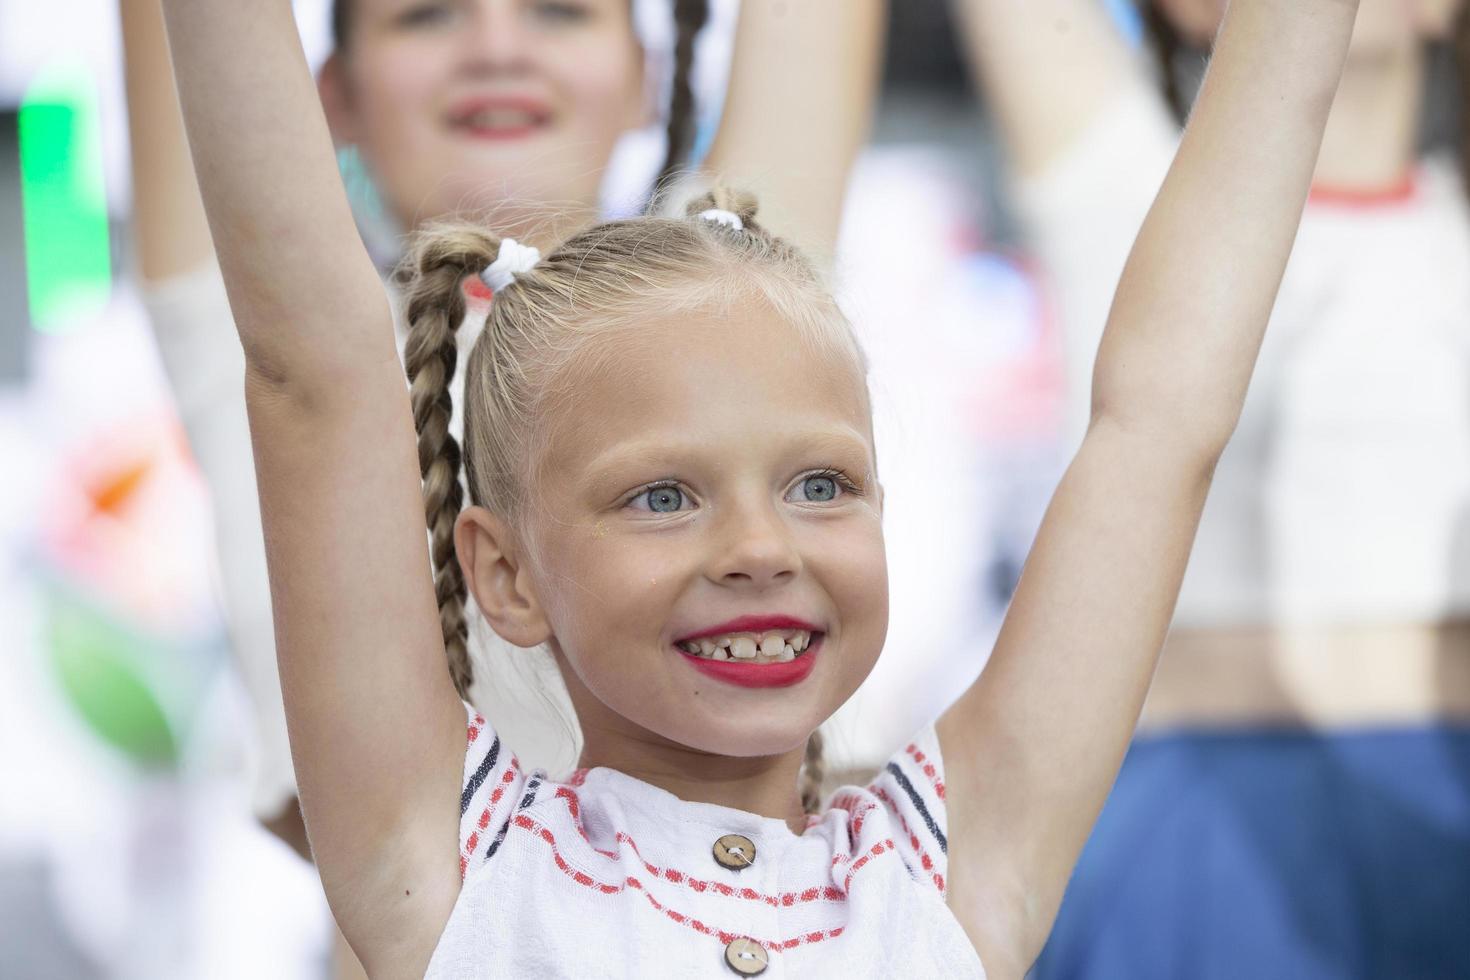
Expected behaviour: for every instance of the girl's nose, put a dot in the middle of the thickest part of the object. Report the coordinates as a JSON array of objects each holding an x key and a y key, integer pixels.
[
  {"x": 755, "y": 549},
  {"x": 497, "y": 37}
]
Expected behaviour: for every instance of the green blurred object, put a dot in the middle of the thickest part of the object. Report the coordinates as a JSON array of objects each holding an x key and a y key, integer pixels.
[
  {"x": 98, "y": 661},
  {"x": 68, "y": 257}
]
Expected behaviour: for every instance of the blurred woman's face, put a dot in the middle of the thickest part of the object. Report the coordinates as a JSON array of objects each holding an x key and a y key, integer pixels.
[
  {"x": 464, "y": 104},
  {"x": 1382, "y": 25}
]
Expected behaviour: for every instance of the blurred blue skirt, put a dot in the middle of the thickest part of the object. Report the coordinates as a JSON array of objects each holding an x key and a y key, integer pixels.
[{"x": 1309, "y": 856}]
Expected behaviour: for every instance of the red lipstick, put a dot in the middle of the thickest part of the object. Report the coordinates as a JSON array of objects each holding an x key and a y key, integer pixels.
[
  {"x": 746, "y": 674},
  {"x": 758, "y": 675}
]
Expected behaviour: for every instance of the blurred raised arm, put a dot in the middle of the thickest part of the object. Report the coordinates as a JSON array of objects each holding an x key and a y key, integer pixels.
[
  {"x": 1033, "y": 747},
  {"x": 798, "y": 110},
  {"x": 1047, "y": 68},
  {"x": 377, "y": 732},
  {"x": 168, "y": 219},
  {"x": 195, "y": 335}
]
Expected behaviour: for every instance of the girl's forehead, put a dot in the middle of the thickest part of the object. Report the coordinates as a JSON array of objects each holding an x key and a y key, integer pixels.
[{"x": 743, "y": 380}]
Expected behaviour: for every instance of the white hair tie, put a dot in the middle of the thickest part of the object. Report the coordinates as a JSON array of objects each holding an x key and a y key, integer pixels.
[
  {"x": 728, "y": 218},
  {"x": 514, "y": 258}
]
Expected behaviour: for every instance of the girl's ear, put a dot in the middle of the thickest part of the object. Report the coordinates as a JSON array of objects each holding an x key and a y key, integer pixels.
[
  {"x": 334, "y": 90},
  {"x": 498, "y": 579},
  {"x": 1195, "y": 20}
]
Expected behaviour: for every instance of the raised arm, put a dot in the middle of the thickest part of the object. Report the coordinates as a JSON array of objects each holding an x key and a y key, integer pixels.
[
  {"x": 168, "y": 218},
  {"x": 798, "y": 109},
  {"x": 1047, "y": 68},
  {"x": 1089, "y": 139},
  {"x": 377, "y": 732},
  {"x": 1033, "y": 747}
]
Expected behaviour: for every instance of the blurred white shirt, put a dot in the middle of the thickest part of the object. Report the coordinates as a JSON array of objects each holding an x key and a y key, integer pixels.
[{"x": 1343, "y": 496}]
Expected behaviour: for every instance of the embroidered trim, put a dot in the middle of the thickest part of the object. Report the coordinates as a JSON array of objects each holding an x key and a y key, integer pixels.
[
  {"x": 506, "y": 779},
  {"x": 856, "y": 806},
  {"x": 928, "y": 769},
  {"x": 918, "y": 802},
  {"x": 481, "y": 772},
  {"x": 925, "y": 861},
  {"x": 855, "y": 817},
  {"x": 828, "y": 893},
  {"x": 587, "y": 881}
]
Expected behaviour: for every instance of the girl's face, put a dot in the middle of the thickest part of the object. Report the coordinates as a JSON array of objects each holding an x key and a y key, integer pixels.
[
  {"x": 459, "y": 104},
  {"x": 714, "y": 470},
  {"x": 1382, "y": 24}
]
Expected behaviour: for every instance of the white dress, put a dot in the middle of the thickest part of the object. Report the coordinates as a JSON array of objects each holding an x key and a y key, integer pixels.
[{"x": 604, "y": 875}]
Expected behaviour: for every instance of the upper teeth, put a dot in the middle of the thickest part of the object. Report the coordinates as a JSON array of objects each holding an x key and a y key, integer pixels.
[{"x": 760, "y": 647}]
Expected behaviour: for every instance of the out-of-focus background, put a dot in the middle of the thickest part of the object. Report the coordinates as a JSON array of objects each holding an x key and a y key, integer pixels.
[{"x": 127, "y": 844}]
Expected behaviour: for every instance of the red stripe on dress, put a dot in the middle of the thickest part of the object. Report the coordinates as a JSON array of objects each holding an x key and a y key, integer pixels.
[
  {"x": 857, "y": 865},
  {"x": 924, "y": 858},
  {"x": 857, "y": 811},
  {"x": 828, "y": 893},
  {"x": 506, "y": 778},
  {"x": 526, "y": 823},
  {"x": 927, "y": 768}
]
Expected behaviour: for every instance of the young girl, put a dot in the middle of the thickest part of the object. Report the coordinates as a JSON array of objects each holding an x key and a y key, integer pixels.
[
  {"x": 672, "y": 488},
  {"x": 1299, "y": 804},
  {"x": 511, "y": 105}
]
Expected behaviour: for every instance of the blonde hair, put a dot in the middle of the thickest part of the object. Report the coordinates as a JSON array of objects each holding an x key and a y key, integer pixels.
[{"x": 596, "y": 286}]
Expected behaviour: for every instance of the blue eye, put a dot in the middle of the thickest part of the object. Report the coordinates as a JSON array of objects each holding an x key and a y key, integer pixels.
[
  {"x": 819, "y": 489},
  {"x": 660, "y": 500},
  {"x": 823, "y": 487}
]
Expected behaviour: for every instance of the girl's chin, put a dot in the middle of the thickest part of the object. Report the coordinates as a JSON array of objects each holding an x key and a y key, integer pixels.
[{"x": 722, "y": 736}]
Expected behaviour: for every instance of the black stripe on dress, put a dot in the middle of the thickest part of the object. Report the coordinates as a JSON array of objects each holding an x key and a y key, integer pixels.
[
  {"x": 532, "y": 785},
  {"x": 908, "y": 787},
  {"x": 479, "y": 777},
  {"x": 499, "y": 839},
  {"x": 531, "y": 788}
]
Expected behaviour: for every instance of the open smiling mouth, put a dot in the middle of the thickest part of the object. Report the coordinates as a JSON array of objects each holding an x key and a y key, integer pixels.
[
  {"x": 500, "y": 120},
  {"x": 775, "y": 658},
  {"x": 777, "y": 646}
]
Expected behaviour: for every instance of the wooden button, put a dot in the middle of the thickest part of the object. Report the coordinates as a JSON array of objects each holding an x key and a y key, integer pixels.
[
  {"x": 747, "y": 957},
  {"x": 735, "y": 852}
]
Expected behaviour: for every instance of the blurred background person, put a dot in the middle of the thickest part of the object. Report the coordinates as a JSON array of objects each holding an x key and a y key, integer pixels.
[{"x": 1298, "y": 803}]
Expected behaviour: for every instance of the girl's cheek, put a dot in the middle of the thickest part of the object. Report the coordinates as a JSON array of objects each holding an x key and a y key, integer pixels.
[
  {"x": 607, "y": 91},
  {"x": 406, "y": 85}
]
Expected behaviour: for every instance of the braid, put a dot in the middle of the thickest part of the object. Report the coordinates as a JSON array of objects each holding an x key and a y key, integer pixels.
[
  {"x": 434, "y": 272},
  {"x": 339, "y": 24},
  {"x": 813, "y": 771},
  {"x": 1165, "y": 43},
  {"x": 690, "y": 16}
]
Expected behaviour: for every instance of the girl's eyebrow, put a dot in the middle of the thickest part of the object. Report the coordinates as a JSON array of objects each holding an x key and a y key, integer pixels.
[{"x": 840, "y": 442}]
